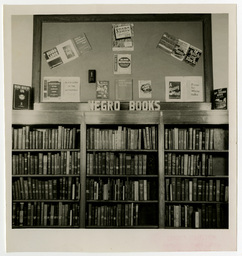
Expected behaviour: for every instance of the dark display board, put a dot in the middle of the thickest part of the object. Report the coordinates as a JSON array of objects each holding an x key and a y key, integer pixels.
[{"x": 148, "y": 62}]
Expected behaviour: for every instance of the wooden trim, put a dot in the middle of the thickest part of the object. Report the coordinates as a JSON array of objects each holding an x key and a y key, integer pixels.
[
  {"x": 161, "y": 180},
  {"x": 208, "y": 57},
  {"x": 83, "y": 176}
]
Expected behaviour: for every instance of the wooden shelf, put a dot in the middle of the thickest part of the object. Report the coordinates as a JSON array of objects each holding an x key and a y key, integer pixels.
[
  {"x": 124, "y": 150},
  {"x": 123, "y": 201},
  {"x": 45, "y": 150},
  {"x": 198, "y": 176},
  {"x": 194, "y": 202},
  {"x": 124, "y": 227},
  {"x": 122, "y": 176},
  {"x": 47, "y": 200},
  {"x": 195, "y": 151},
  {"x": 45, "y": 227},
  {"x": 45, "y": 175}
]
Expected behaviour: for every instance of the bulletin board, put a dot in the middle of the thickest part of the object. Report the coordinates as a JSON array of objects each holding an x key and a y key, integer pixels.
[{"x": 148, "y": 61}]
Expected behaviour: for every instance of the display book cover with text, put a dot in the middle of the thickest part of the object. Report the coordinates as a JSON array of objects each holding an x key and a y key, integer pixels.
[
  {"x": 67, "y": 51},
  {"x": 179, "y": 49},
  {"x": 61, "y": 89},
  {"x": 122, "y": 37},
  {"x": 219, "y": 98},
  {"x": 184, "y": 89},
  {"x": 21, "y": 96}
]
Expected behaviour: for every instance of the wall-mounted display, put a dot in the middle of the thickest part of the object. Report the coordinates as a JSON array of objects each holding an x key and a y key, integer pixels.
[{"x": 144, "y": 61}]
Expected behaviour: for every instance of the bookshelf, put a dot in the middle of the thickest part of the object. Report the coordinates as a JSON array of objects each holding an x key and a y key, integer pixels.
[
  {"x": 46, "y": 171},
  {"x": 122, "y": 170},
  {"x": 196, "y": 173},
  {"x": 122, "y": 180}
]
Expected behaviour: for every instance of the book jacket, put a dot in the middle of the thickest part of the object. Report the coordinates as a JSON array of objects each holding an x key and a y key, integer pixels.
[{"x": 21, "y": 96}]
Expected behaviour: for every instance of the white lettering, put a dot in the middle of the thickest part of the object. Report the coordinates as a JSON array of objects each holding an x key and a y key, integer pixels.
[
  {"x": 116, "y": 105},
  {"x": 132, "y": 105},
  {"x": 157, "y": 105}
]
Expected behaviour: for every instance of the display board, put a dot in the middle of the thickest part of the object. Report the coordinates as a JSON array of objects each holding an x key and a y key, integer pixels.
[{"x": 149, "y": 64}]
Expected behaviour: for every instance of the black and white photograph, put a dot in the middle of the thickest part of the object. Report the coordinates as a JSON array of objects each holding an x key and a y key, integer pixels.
[{"x": 108, "y": 157}]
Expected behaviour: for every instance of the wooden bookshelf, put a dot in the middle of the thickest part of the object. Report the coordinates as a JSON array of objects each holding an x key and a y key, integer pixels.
[
  {"x": 46, "y": 171},
  {"x": 196, "y": 175},
  {"x": 156, "y": 208},
  {"x": 122, "y": 175}
]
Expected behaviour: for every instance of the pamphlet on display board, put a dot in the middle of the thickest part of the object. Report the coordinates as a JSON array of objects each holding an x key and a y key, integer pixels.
[
  {"x": 184, "y": 89},
  {"x": 122, "y": 64},
  {"x": 102, "y": 90},
  {"x": 67, "y": 51},
  {"x": 122, "y": 37},
  {"x": 179, "y": 49},
  {"x": 124, "y": 89},
  {"x": 145, "y": 89},
  {"x": 61, "y": 89}
]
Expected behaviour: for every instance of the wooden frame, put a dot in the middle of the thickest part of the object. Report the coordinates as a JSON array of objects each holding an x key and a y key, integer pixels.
[{"x": 204, "y": 18}]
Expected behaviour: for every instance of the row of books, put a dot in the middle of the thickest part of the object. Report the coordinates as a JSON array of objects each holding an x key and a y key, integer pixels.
[
  {"x": 120, "y": 163},
  {"x": 113, "y": 215},
  {"x": 65, "y": 188},
  {"x": 178, "y": 189},
  {"x": 193, "y": 138},
  {"x": 45, "y": 138},
  {"x": 122, "y": 137},
  {"x": 188, "y": 164},
  {"x": 119, "y": 189},
  {"x": 188, "y": 216},
  {"x": 46, "y": 163},
  {"x": 44, "y": 214}
]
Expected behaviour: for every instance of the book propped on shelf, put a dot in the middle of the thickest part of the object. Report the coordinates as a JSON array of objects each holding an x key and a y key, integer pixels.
[
  {"x": 21, "y": 96},
  {"x": 219, "y": 99}
]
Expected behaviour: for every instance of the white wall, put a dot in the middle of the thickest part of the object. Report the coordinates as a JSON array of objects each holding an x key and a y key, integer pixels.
[
  {"x": 22, "y": 47},
  {"x": 220, "y": 50}
]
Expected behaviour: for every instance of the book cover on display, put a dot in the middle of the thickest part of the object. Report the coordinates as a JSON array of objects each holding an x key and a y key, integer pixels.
[
  {"x": 61, "y": 89},
  {"x": 122, "y": 37},
  {"x": 219, "y": 98},
  {"x": 102, "y": 90},
  {"x": 67, "y": 51},
  {"x": 184, "y": 89},
  {"x": 145, "y": 89},
  {"x": 122, "y": 64},
  {"x": 21, "y": 96}
]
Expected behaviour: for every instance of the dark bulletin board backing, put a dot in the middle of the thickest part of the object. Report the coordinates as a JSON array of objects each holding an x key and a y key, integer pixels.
[{"x": 148, "y": 62}]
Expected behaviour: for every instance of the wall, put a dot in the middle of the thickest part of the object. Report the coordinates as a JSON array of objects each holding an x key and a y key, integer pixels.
[{"x": 22, "y": 34}]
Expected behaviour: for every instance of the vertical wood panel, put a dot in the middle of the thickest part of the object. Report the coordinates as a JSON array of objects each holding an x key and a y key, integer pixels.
[
  {"x": 83, "y": 176},
  {"x": 161, "y": 174}
]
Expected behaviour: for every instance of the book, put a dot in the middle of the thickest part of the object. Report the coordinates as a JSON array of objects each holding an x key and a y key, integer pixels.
[
  {"x": 219, "y": 98},
  {"x": 67, "y": 51},
  {"x": 102, "y": 90},
  {"x": 122, "y": 64},
  {"x": 60, "y": 89},
  {"x": 122, "y": 37},
  {"x": 179, "y": 49},
  {"x": 184, "y": 89},
  {"x": 145, "y": 89},
  {"x": 21, "y": 96},
  {"x": 193, "y": 55}
]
